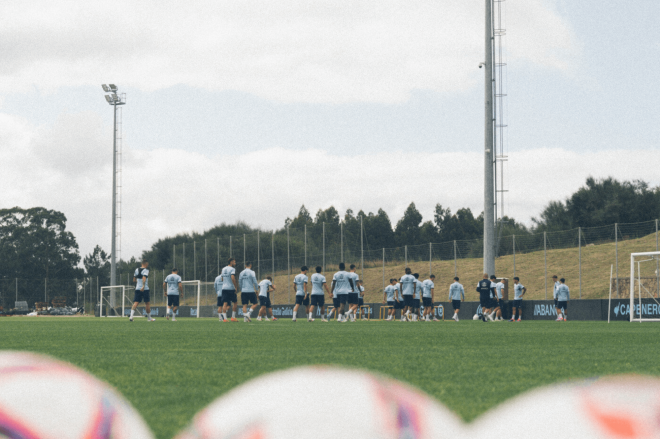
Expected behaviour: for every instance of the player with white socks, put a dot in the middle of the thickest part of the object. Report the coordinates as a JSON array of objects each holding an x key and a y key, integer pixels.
[
  {"x": 265, "y": 287},
  {"x": 495, "y": 304},
  {"x": 428, "y": 287},
  {"x": 554, "y": 293},
  {"x": 300, "y": 288},
  {"x": 229, "y": 289},
  {"x": 456, "y": 295},
  {"x": 318, "y": 297},
  {"x": 417, "y": 299},
  {"x": 408, "y": 283},
  {"x": 389, "y": 298},
  {"x": 361, "y": 299},
  {"x": 519, "y": 291},
  {"x": 563, "y": 296},
  {"x": 141, "y": 280},
  {"x": 399, "y": 302},
  {"x": 217, "y": 284},
  {"x": 249, "y": 286},
  {"x": 353, "y": 297},
  {"x": 342, "y": 284},
  {"x": 499, "y": 287},
  {"x": 172, "y": 288}
]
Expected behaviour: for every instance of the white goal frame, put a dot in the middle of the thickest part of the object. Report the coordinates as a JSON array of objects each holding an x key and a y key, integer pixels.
[
  {"x": 634, "y": 259},
  {"x": 199, "y": 290},
  {"x": 108, "y": 304}
]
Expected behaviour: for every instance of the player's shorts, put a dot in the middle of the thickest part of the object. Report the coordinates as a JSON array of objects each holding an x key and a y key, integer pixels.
[
  {"x": 501, "y": 303},
  {"x": 342, "y": 298},
  {"x": 360, "y": 301},
  {"x": 353, "y": 298},
  {"x": 556, "y": 303},
  {"x": 247, "y": 298},
  {"x": 456, "y": 304},
  {"x": 229, "y": 296},
  {"x": 172, "y": 300},
  {"x": 265, "y": 301},
  {"x": 391, "y": 302},
  {"x": 219, "y": 301},
  {"x": 142, "y": 296},
  {"x": 517, "y": 303},
  {"x": 562, "y": 304},
  {"x": 493, "y": 303},
  {"x": 399, "y": 305},
  {"x": 318, "y": 300},
  {"x": 335, "y": 302},
  {"x": 416, "y": 303},
  {"x": 302, "y": 300},
  {"x": 485, "y": 303},
  {"x": 408, "y": 300},
  {"x": 427, "y": 301}
]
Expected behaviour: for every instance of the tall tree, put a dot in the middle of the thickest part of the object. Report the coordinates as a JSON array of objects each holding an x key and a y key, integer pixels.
[
  {"x": 407, "y": 229},
  {"x": 97, "y": 264}
]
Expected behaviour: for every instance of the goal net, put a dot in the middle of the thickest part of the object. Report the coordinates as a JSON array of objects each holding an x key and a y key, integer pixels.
[
  {"x": 645, "y": 287},
  {"x": 112, "y": 301},
  {"x": 191, "y": 295}
]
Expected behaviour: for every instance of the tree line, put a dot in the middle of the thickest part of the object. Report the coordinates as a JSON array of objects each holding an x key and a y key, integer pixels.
[{"x": 34, "y": 243}]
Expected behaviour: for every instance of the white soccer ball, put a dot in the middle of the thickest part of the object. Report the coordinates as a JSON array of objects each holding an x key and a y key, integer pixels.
[
  {"x": 619, "y": 407},
  {"x": 324, "y": 402},
  {"x": 44, "y": 398},
  {"x": 475, "y": 317}
]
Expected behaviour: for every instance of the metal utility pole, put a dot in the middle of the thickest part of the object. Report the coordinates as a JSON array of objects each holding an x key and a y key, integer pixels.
[
  {"x": 361, "y": 248},
  {"x": 114, "y": 99},
  {"x": 489, "y": 153}
]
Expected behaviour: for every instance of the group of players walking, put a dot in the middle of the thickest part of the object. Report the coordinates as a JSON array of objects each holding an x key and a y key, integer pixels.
[{"x": 413, "y": 297}]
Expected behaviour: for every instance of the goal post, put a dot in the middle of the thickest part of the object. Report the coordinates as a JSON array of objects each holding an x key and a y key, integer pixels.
[
  {"x": 112, "y": 300},
  {"x": 192, "y": 292},
  {"x": 644, "y": 278}
]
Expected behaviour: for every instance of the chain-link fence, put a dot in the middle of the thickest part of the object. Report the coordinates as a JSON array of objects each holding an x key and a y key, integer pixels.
[{"x": 583, "y": 256}]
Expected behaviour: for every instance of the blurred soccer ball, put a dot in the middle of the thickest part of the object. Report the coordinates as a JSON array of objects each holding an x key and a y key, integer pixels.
[
  {"x": 323, "y": 403},
  {"x": 41, "y": 397},
  {"x": 619, "y": 407},
  {"x": 475, "y": 317}
]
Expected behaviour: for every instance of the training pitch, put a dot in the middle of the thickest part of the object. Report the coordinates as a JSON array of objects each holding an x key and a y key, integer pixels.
[{"x": 171, "y": 370}]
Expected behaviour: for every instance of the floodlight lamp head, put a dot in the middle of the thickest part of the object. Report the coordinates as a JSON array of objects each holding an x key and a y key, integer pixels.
[
  {"x": 109, "y": 99},
  {"x": 114, "y": 97},
  {"x": 113, "y": 87},
  {"x": 105, "y": 88}
]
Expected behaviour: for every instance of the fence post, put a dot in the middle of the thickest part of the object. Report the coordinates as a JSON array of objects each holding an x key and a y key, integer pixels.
[
  {"x": 324, "y": 247},
  {"x": 231, "y": 250},
  {"x": 243, "y": 250},
  {"x": 76, "y": 282},
  {"x": 383, "y": 269},
  {"x": 341, "y": 233},
  {"x": 194, "y": 260},
  {"x": 16, "y": 291},
  {"x": 430, "y": 259},
  {"x": 206, "y": 271},
  {"x": 46, "y": 290},
  {"x": 361, "y": 248},
  {"x": 258, "y": 257},
  {"x": 616, "y": 257},
  {"x": 455, "y": 267},
  {"x": 406, "y": 254},
  {"x": 173, "y": 255},
  {"x": 288, "y": 266},
  {"x": 514, "y": 255},
  {"x": 545, "y": 263},
  {"x": 217, "y": 244},
  {"x": 272, "y": 249},
  {"x": 580, "y": 258},
  {"x": 657, "y": 263},
  {"x": 184, "y": 261},
  {"x": 305, "y": 244}
]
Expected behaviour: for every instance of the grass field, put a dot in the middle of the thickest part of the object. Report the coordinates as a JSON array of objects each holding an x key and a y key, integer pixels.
[{"x": 170, "y": 370}]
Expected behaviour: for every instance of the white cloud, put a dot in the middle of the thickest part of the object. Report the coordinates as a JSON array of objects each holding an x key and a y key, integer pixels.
[
  {"x": 173, "y": 191},
  {"x": 291, "y": 51}
]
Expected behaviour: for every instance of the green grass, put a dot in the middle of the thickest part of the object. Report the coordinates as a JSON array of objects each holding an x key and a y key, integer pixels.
[{"x": 169, "y": 371}]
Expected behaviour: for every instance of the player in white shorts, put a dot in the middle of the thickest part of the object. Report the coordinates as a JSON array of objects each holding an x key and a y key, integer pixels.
[
  {"x": 172, "y": 286},
  {"x": 318, "y": 296},
  {"x": 265, "y": 287}
]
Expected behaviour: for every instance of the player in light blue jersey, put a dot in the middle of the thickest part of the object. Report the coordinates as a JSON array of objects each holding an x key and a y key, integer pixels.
[
  {"x": 554, "y": 291},
  {"x": 342, "y": 284},
  {"x": 318, "y": 296},
  {"x": 519, "y": 291},
  {"x": 563, "y": 296},
  {"x": 456, "y": 295},
  {"x": 363, "y": 315},
  {"x": 172, "y": 288},
  {"x": 249, "y": 287},
  {"x": 417, "y": 299},
  {"x": 400, "y": 304},
  {"x": 390, "y": 298},
  {"x": 494, "y": 303},
  {"x": 428, "y": 287},
  {"x": 265, "y": 288},
  {"x": 302, "y": 295},
  {"x": 141, "y": 280},
  {"x": 499, "y": 288},
  {"x": 229, "y": 289},
  {"x": 408, "y": 285},
  {"x": 353, "y": 297},
  {"x": 217, "y": 284}
]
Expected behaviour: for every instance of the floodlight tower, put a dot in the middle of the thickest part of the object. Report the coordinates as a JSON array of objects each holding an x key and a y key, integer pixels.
[
  {"x": 489, "y": 152},
  {"x": 114, "y": 99}
]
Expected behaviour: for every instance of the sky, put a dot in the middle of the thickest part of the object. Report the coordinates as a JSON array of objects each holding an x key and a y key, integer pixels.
[{"x": 247, "y": 110}]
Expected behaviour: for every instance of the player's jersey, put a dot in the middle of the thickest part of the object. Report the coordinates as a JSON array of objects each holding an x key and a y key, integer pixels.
[
  {"x": 318, "y": 280},
  {"x": 247, "y": 281},
  {"x": 355, "y": 278},
  {"x": 408, "y": 284},
  {"x": 562, "y": 293},
  {"x": 264, "y": 286},
  {"x": 218, "y": 285},
  {"x": 427, "y": 286},
  {"x": 227, "y": 273},
  {"x": 483, "y": 287},
  {"x": 518, "y": 291},
  {"x": 456, "y": 292},
  {"x": 138, "y": 276},
  {"x": 390, "y": 290},
  {"x": 300, "y": 281},
  {"x": 493, "y": 289},
  {"x": 173, "y": 281},
  {"x": 361, "y": 293},
  {"x": 342, "y": 285},
  {"x": 499, "y": 287},
  {"x": 397, "y": 287},
  {"x": 418, "y": 289},
  {"x": 554, "y": 291}
]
